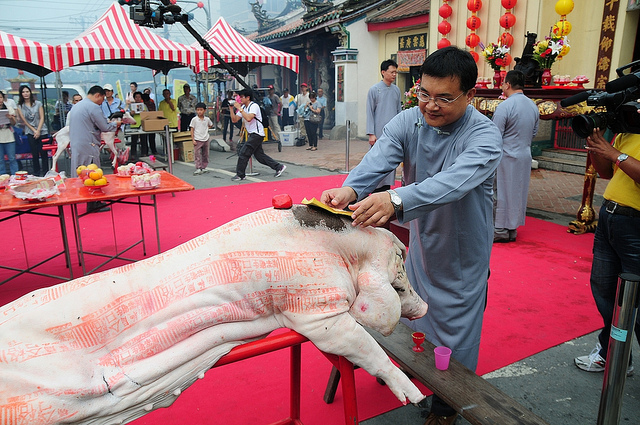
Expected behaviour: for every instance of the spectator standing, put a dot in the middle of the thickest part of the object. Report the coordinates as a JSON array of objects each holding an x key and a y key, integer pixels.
[
  {"x": 148, "y": 91},
  {"x": 86, "y": 122},
  {"x": 322, "y": 100},
  {"x": 187, "y": 106},
  {"x": 111, "y": 103},
  {"x": 133, "y": 86},
  {"x": 517, "y": 120},
  {"x": 61, "y": 109},
  {"x": 31, "y": 113},
  {"x": 302, "y": 99},
  {"x": 7, "y": 140},
  {"x": 200, "y": 126},
  {"x": 249, "y": 112},
  {"x": 274, "y": 114},
  {"x": 169, "y": 108},
  {"x": 450, "y": 153},
  {"x": 288, "y": 103},
  {"x": 226, "y": 119},
  {"x": 383, "y": 103},
  {"x": 312, "y": 127},
  {"x": 617, "y": 238},
  {"x": 141, "y": 138},
  {"x": 76, "y": 98},
  {"x": 149, "y": 105}
]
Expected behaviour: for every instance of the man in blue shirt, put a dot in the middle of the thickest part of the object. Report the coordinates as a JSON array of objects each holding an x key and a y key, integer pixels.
[
  {"x": 323, "y": 106},
  {"x": 111, "y": 104}
]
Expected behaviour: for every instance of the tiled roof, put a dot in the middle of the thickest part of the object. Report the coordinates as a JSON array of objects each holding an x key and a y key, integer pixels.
[
  {"x": 401, "y": 10},
  {"x": 296, "y": 26}
]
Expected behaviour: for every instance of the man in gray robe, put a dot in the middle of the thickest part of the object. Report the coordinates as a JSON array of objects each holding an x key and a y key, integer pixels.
[
  {"x": 450, "y": 153},
  {"x": 86, "y": 122},
  {"x": 517, "y": 119},
  {"x": 383, "y": 103}
]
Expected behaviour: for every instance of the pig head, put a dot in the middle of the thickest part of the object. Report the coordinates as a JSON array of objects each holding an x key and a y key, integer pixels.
[
  {"x": 108, "y": 137},
  {"x": 110, "y": 347}
]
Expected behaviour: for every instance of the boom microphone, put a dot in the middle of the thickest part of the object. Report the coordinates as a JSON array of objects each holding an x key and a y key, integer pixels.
[
  {"x": 622, "y": 83},
  {"x": 576, "y": 98}
]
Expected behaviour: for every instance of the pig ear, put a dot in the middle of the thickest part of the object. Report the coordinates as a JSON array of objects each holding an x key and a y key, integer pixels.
[{"x": 377, "y": 304}]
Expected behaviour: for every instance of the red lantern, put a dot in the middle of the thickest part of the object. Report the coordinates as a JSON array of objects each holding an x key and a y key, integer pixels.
[
  {"x": 444, "y": 27},
  {"x": 506, "y": 39},
  {"x": 507, "y": 20},
  {"x": 476, "y": 57},
  {"x": 474, "y": 5},
  {"x": 507, "y": 59},
  {"x": 473, "y": 23},
  {"x": 200, "y": 4},
  {"x": 445, "y": 11},
  {"x": 443, "y": 42},
  {"x": 509, "y": 4},
  {"x": 472, "y": 40}
]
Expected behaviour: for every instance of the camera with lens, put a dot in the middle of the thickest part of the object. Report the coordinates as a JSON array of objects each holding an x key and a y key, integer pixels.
[{"x": 615, "y": 108}]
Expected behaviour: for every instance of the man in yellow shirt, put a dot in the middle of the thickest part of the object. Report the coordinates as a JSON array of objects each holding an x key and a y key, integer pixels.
[{"x": 169, "y": 108}]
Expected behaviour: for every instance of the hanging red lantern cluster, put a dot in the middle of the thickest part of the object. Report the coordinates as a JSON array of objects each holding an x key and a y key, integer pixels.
[
  {"x": 507, "y": 21},
  {"x": 444, "y": 27},
  {"x": 473, "y": 23}
]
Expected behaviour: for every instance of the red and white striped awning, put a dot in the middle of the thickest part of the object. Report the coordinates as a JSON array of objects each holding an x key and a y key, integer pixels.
[
  {"x": 235, "y": 48},
  {"x": 31, "y": 56},
  {"x": 115, "y": 39}
]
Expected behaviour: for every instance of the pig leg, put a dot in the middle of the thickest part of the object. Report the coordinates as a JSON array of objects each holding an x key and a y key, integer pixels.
[{"x": 343, "y": 336}]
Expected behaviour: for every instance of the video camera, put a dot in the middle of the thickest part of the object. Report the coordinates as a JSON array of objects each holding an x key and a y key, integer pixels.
[{"x": 617, "y": 106}]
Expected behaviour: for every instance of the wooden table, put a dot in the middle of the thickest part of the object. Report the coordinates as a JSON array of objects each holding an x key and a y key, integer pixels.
[{"x": 119, "y": 191}]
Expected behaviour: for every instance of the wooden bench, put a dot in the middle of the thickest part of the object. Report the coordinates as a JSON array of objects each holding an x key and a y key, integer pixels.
[
  {"x": 470, "y": 395},
  {"x": 156, "y": 165}
]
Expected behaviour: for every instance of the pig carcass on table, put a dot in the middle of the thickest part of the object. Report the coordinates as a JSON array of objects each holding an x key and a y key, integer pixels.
[{"x": 109, "y": 347}]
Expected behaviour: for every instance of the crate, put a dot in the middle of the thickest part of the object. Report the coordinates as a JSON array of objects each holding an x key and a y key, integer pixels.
[{"x": 288, "y": 138}]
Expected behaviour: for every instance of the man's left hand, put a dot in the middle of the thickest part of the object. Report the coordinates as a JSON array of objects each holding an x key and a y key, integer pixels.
[{"x": 374, "y": 210}]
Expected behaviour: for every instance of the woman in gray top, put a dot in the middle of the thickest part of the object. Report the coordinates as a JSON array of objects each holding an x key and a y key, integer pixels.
[{"x": 31, "y": 113}]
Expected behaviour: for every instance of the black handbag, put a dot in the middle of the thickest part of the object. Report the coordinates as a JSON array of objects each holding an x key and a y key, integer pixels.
[{"x": 315, "y": 118}]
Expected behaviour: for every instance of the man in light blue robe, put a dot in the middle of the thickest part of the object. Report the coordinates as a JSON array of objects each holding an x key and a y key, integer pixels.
[
  {"x": 450, "y": 153},
  {"x": 517, "y": 119}
]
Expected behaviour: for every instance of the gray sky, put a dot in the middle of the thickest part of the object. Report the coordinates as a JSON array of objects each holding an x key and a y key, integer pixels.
[{"x": 58, "y": 21}]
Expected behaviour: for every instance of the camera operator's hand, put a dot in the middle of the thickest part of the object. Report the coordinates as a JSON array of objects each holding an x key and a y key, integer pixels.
[{"x": 598, "y": 145}]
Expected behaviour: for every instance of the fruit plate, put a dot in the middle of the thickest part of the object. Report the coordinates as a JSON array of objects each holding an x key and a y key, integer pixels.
[
  {"x": 146, "y": 187},
  {"x": 96, "y": 189}
]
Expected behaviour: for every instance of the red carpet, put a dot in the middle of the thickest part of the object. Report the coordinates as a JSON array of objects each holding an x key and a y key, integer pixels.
[{"x": 539, "y": 296}]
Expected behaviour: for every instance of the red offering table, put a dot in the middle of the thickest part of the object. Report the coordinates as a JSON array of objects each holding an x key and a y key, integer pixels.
[{"x": 118, "y": 191}]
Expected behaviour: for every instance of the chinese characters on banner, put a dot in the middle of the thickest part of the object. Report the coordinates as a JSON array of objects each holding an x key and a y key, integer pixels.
[
  {"x": 412, "y": 51},
  {"x": 605, "y": 49}
]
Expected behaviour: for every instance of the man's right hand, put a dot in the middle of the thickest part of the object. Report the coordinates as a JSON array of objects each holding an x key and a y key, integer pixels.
[
  {"x": 372, "y": 139},
  {"x": 339, "y": 197}
]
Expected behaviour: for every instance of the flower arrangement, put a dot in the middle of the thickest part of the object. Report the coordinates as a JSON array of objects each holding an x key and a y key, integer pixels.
[
  {"x": 552, "y": 48},
  {"x": 411, "y": 97},
  {"x": 495, "y": 55}
]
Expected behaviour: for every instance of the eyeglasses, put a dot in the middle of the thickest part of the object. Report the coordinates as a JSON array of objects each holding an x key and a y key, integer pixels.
[{"x": 440, "y": 102}]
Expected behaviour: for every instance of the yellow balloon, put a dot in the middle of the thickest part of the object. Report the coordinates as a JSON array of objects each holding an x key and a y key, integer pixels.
[
  {"x": 562, "y": 28},
  {"x": 564, "y": 7}
]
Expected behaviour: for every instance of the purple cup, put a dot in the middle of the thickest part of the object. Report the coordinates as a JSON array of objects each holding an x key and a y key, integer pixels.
[{"x": 442, "y": 354}]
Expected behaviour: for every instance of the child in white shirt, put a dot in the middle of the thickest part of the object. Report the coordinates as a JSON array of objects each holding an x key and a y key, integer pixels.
[{"x": 200, "y": 126}]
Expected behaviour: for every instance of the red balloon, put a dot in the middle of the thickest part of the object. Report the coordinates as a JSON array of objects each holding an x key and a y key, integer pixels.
[
  {"x": 472, "y": 40},
  {"x": 443, "y": 42},
  {"x": 507, "y": 20},
  {"x": 445, "y": 11},
  {"x": 476, "y": 57},
  {"x": 474, "y": 5},
  {"x": 509, "y": 4},
  {"x": 506, "y": 39},
  {"x": 473, "y": 23},
  {"x": 444, "y": 27}
]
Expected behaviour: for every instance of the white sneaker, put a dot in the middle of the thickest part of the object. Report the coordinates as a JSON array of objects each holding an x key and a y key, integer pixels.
[
  {"x": 198, "y": 171},
  {"x": 281, "y": 170},
  {"x": 204, "y": 170},
  {"x": 594, "y": 362}
]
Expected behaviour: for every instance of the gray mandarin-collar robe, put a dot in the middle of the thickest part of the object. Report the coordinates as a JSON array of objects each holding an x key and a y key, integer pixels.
[{"x": 449, "y": 176}]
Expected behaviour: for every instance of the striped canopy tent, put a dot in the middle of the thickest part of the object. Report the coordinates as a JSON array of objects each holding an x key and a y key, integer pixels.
[
  {"x": 115, "y": 39},
  {"x": 241, "y": 53},
  {"x": 31, "y": 56}
]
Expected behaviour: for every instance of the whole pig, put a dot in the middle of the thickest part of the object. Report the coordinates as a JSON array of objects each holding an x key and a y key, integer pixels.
[
  {"x": 110, "y": 347},
  {"x": 108, "y": 137}
]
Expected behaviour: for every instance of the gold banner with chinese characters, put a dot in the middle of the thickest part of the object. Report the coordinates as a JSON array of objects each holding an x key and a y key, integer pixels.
[
  {"x": 605, "y": 51},
  {"x": 410, "y": 58}
]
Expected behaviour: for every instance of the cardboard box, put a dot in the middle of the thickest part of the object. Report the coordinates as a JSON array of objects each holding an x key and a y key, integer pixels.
[
  {"x": 288, "y": 138},
  {"x": 187, "y": 151},
  {"x": 181, "y": 136},
  {"x": 153, "y": 121}
]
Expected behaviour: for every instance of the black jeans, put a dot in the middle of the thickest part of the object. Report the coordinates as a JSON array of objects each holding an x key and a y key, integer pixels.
[
  {"x": 185, "y": 120},
  {"x": 253, "y": 146},
  {"x": 226, "y": 122},
  {"x": 321, "y": 125},
  {"x": 37, "y": 155},
  {"x": 312, "y": 133}
]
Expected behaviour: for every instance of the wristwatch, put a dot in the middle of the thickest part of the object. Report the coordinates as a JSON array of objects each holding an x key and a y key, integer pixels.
[
  {"x": 396, "y": 201},
  {"x": 621, "y": 157}
]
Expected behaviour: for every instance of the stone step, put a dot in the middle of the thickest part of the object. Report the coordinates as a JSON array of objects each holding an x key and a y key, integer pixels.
[
  {"x": 565, "y": 154},
  {"x": 564, "y": 165}
]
